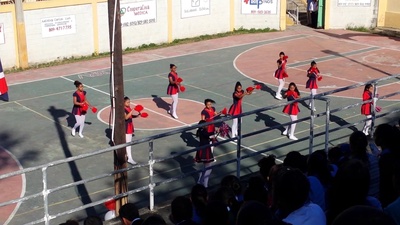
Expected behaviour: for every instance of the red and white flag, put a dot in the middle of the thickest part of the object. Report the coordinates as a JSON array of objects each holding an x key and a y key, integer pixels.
[{"x": 3, "y": 85}]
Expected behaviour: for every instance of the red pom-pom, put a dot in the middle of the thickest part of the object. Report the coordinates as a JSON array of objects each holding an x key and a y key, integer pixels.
[
  {"x": 138, "y": 108},
  {"x": 85, "y": 107},
  {"x": 179, "y": 79},
  {"x": 182, "y": 88},
  {"x": 249, "y": 89},
  {"x": 224, "y": 111},
  {"x": 285, "y": 57},
  {"x": 319, "y": 78},
  {"x": 144, "y": 114},
  {"x": 257, "y": 86},
  {"x": 110, "y": 204},
  {"x": 378, "y": 109},
  {"x": 94, "y": 109}
]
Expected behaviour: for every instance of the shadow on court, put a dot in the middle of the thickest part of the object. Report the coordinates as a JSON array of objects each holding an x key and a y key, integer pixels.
[
  {"x": 57, "y": 114},
  {"x": 161, "y": 103}
]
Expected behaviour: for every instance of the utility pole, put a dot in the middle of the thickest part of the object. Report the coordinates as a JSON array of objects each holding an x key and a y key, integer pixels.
[
  {"x": 120, "y": 179},
  {"x": 21, "y": 35}
]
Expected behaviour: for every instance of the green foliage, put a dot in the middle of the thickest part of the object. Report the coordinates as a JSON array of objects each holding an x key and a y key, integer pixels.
[
  {"x": 358, "y": 28},
  {"x": 143, "y": 47}
]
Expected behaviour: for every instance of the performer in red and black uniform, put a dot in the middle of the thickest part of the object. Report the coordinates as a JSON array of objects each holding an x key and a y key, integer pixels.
[
  {"x": 173, "y": 90},
  {"x": 313, "y": 75},
  {"x": 208, "y": 113},
  {"x": 236, "y": 107},
  {"x": 81, "y": 105},
  {"x": 291, "y": 109},
  {"x": 204, "y": 155},
  {"x": 129, "y": 127},
  {"x": 281, "y": 74},
  {"x": 366, "y": 108}
]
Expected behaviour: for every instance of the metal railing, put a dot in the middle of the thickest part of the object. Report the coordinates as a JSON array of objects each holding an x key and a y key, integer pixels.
[
  {"x": 47, "y": 217},
  {"x": 293, "y": 11}
]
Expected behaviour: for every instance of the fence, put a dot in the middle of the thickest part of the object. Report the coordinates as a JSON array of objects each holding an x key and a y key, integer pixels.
[{"x": 44, "y": 194}]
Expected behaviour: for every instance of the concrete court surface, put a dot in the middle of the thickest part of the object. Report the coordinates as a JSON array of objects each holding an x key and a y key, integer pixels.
[{"x": 35, "y": 124}]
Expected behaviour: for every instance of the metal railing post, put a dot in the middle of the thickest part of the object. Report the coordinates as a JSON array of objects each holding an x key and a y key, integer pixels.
[
  {"x": 375, "y": 96},
  {"x": 239, "y": 143},
  {"x": 312, "y": 118},
  {"x": 45, "y": 197},
  {"x": 327, "y": 120},
  {"x": 151, "y": 175}
]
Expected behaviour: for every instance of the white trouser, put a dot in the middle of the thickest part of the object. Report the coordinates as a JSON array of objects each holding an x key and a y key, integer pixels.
[
  {"x": 80, "y": 122},
  {"x": 235, "y": 127},
  {"x": 292, "y": 126},
  {"x": 313, "y": 92},
  {"x": 205, "y": 175},
  {"x": 280, "y": 87},
  {"x": 367, "y": 125},
  {"x": 174, "y": 104},
  {"x": 128, "y": 138}
]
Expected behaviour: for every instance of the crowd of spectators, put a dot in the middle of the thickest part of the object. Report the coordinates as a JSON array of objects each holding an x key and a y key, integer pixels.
[{"x": 354, "y": 183}]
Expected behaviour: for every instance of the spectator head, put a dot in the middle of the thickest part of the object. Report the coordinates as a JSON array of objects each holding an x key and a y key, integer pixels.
[
  {"x": 232, "y": 182},
  {"x": 129, "y": 214},
  {"x": 265, "y": 165},
  {"x": 70, "y": 222},
  {"x": 349, "y": 187},
  {"x": 365, "y": 215},
  {"x": 199, "y": 197},
  {"x": 318, "y": 166},
  {"x": 386, "y": 136},
  {"x": 154, "y": 219},
  {"x": 254, "y": 213},
  {"x": 335, "y": 155},
  {"x": 226, "y": 196},
  {"x": 93, "y": 220},
  {"x": 296, "y": 160},
  {"x": 256, "y": 191},
  {"x": 358, "y": 144},
  {"x": 181, "y": 209},
  {"x": 291, "y": 188},
  {"x": 216, "y": 213}
]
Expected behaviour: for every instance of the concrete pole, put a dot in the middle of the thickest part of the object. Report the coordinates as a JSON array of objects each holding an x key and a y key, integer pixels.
[
  {"x": 120, "y": 180},
  {"x": 21, "y": 35}
]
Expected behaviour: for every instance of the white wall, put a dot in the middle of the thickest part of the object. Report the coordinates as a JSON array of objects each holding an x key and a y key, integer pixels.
[
  {"x": 7, "y": 50},
  {"x": 350, "y": 16},
  {"x": 218, "y": 21},
  {"x": 256, "y": 21},
  {"x": 44, "y": 49}
]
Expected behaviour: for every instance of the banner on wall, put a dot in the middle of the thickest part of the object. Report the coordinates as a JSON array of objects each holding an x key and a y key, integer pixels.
[
  {"x": 138, "y": 13},
  {"x": 192, "y": 8},
  {"x": 58, "y": 26},
  {"x": 2, "y": 36},
  {"x": 354, "y": 2},
  {"x": 259, "y": 7}
]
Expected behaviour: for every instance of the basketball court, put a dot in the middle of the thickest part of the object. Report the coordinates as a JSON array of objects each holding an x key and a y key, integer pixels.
[{"x": 35, "y": 128}]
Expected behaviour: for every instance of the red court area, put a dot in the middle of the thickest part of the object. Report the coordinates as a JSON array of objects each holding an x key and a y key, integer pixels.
[
  {"x": 342, "y": 63},
  {"x": 158, "y": 118},
  {"x": 12, "y": 187}
]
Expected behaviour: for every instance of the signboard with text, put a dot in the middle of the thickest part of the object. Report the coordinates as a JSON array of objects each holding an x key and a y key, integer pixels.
[
  {"x": 259, "y": 7},
  {"x": 138, "y": 13},
  {"x": 354, "y": 2},
  {"x": 192, "y": 8},
  {"x": 2, "y": 36},
  {"x": 58, "y": 26}
]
